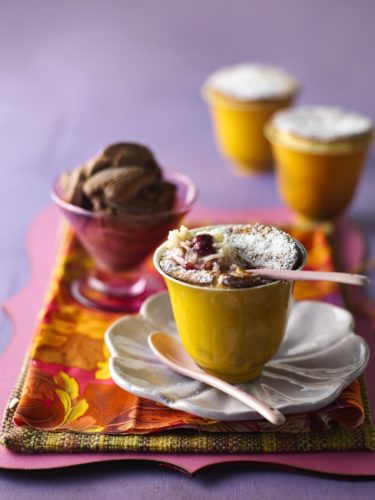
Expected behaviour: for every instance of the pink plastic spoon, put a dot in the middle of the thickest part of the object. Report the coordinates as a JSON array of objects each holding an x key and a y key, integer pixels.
[
  {"x": 170, "y": 350},
  {"x": 290, "y": 275}
]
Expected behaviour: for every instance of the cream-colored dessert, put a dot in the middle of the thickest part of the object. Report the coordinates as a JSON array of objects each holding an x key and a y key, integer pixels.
[
  {"x": 320, "y": 129},
  {"x": 249, "y": 83},
  {"x": 222, "y": 256}
]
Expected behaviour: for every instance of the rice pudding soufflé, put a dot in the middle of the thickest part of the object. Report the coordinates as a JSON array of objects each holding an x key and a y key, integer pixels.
[
  {"x": 230, "y": 320},
  {"x": 319, "y": 153},
  {"x": 222, "y": 256},
  {"x": 241, "y": 99}
]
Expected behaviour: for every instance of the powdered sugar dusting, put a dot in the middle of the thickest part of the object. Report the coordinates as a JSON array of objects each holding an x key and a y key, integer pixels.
[
  {"x": 253, "y": 82},
  {"x": 322, "y": 123},
  {"x": 264, "y": 246},
  {"x": 219, "y": 256}
]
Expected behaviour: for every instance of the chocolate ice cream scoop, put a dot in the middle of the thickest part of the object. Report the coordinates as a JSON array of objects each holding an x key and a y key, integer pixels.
[
  {"x": 72, "y": 185},
  {"x": 120, "y": 185},
  {"x": 122, "y": 178},
  {"x": 154, "y": 198},
  {"x": 128, "y": 153}
]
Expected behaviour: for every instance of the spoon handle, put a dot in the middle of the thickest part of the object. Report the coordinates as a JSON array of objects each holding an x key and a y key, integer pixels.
[
  {"x": 345, "y": 278},
  {"x": 271, "y": 414},
  {"x": 171, "y": 352}
]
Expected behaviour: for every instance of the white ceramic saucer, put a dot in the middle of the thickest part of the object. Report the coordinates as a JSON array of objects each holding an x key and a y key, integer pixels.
[{"x": 320, "y": 355}]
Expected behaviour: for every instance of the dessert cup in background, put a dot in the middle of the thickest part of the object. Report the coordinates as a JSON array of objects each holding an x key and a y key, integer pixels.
[
  {"x": 119, "y": 244},
  {"x": 241, "y": 99},
  {"x": 231, "y": 332},
  {"x": 319, "y": 154}
]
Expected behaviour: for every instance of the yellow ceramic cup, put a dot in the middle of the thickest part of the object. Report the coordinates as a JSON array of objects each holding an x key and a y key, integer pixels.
[
  {"x": 239, "y": 131},
  {"x": 231, "y": 333},
  {"x": 317, "y": 181}
]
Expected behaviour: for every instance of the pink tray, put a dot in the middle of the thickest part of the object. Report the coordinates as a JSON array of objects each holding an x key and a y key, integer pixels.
[{"x": 24, "y": 308}]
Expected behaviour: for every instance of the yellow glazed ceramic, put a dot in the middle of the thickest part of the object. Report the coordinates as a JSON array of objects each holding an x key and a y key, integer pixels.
[
  {"x": 241, "y": 98},
  {"x": 230, "y": 333},
  {"x": 317, "y": 186},
  {"x": 317, "y": 183},
  {"x": 319, "y": 154},
  {"x": 239, "y": 133}
]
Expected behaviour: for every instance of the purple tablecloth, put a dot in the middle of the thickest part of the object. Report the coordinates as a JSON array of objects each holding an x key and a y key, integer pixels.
[{"x": 75, "y": 76}]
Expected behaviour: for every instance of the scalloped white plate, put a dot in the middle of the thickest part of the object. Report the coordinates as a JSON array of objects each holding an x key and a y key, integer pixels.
[{"x": 319, "y": 356}]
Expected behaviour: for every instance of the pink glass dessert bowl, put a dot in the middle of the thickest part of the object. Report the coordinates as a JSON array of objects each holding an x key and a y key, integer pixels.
[{"x": 120, "y": 244}]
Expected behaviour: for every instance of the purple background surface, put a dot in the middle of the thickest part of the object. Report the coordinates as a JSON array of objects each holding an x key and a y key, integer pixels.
[{"x": 76, "y": 75}]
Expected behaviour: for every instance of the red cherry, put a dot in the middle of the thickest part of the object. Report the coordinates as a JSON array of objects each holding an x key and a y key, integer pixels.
[
  {"x": 203, "y": 244},
  {"x": 189, "y": 265}
]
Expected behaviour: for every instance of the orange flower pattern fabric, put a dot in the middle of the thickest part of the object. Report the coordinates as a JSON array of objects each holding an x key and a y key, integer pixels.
[{"x": 68, "y": 385}]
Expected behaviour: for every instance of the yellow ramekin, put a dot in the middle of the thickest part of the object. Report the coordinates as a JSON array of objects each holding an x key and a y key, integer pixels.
[
  {"x": 239, "y": 130},
  {"x": 317, "y": 180},
  {"x": 231, "y": 333}
]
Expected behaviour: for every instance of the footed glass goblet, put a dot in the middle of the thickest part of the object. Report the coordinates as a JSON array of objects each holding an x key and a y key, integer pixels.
[{"x": 119, "y": 246}]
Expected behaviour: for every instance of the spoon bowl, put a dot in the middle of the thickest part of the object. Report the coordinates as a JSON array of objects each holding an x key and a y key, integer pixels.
[{"x": 171, "y": 352}]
